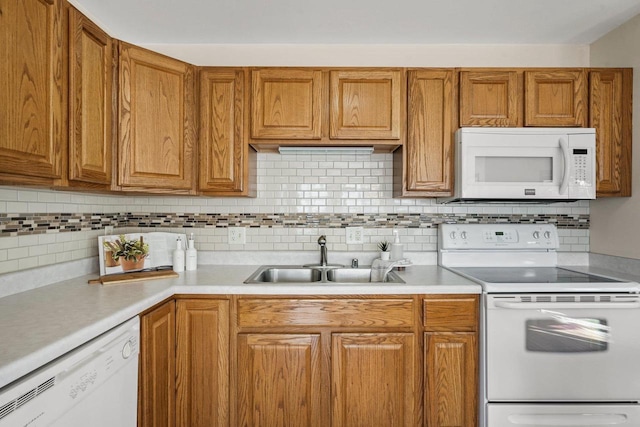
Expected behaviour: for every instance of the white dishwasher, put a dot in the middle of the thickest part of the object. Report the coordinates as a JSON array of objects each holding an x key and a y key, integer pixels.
[{"x": 94, "y": 385}]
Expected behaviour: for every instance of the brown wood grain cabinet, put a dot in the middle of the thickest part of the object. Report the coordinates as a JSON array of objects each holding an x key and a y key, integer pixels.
[
  {"x": 91, "y": 142},
  {"x": 202, "y": 363},
  {"x": 157, "y": 123},
  {"x": 424, "y": 167},
  {"x": 555, "y": 97},
  {"x": 286, "y": 103},
  {"x": 451, "y": 360},
  {"x": 226, "y": 162},
  {"x": 157, "y": 367},
  {"x": 610, "y": 105},
  {"x": 490, "y": 98},
  {"x": 33, "y": 118}
]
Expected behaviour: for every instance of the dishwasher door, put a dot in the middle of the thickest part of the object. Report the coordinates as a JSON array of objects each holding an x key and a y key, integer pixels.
[{"x": 94, "y": 385}]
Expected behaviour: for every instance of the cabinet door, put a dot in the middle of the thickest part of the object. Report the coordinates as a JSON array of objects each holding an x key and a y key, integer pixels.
[
  {"x": 90, "y": 102},
  {"x": 555, "y": 98},
  {"x": 610, "y": 98},
  {"x": 428, "y": 153},
  {"x": 157, "y": 367},
  {"x": 279, "y": 380},
  {"x": 286, "y": 104},
  {"x": 225, "y": 156},
  {"x": 451, "y": 385},
  {"x": 366, "y": 104},
  {"x": 490, "y": 98},
  {"x": 32, "y": 76},
  {"x": 373, "y": 380},
  {"x": 157, "y": 126},
  {"x": 202, "y": 363}
]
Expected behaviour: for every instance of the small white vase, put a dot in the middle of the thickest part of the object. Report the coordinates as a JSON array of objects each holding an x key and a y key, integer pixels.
[{"x": 385, "y": 256}]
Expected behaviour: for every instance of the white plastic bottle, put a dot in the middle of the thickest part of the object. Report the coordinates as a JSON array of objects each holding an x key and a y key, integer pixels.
[
  {"x": 178, "y": 256},
  {"x": 191, "y": 254},
  {"x": 397, "y": 248}
]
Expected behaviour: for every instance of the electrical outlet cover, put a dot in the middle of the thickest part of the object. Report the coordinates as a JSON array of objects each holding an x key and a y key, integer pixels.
[
  {"x": 354, "y": 235},
  {"x": 237, "y": 236}
]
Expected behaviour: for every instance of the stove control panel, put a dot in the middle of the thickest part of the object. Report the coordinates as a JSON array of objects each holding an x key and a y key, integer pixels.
[{"x": 498, "y": 236}]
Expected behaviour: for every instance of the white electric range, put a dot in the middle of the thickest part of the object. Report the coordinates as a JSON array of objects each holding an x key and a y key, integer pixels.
[{"x": 558, "y": 347}]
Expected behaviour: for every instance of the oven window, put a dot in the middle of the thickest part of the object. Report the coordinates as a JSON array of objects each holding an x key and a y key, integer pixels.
[
  {"x": 514, "y": 169},
  {"x": 567, "y": 335}
]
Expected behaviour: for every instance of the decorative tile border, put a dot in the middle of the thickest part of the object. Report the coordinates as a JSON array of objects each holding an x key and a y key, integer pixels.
[{"x": 27, "y": 224}]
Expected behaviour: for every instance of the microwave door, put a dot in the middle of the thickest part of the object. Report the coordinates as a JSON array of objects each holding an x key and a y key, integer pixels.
[{"x": 526, "y": 172}]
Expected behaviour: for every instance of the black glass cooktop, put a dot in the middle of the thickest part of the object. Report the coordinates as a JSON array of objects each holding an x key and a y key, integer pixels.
[{"x": 531, "y": 275}]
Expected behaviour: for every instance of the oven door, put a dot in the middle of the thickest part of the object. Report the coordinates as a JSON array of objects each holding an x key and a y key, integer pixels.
[{"x": 564, "y": 348}]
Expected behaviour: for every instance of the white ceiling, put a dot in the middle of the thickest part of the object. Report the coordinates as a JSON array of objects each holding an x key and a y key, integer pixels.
[{"x": 359, "y": 21}]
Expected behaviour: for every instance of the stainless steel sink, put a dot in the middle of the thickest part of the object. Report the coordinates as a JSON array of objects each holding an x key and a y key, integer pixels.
[{"x": 318, "y": 275}]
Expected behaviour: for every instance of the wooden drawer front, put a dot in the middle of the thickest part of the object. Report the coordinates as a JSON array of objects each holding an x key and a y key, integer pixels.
[
  {"x": 392, "y": 313},
  {"x": 451, "y": 314}
]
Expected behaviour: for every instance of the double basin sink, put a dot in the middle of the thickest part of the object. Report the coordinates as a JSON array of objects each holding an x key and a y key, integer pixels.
[{"x": 316, "y": 275}]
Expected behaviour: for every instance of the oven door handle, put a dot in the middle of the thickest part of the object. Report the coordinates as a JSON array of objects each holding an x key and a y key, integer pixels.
[
  {"x": 579, "y": 420},
  {"x": 564, "y": 146},
  {"x": 564, "y": 305}
]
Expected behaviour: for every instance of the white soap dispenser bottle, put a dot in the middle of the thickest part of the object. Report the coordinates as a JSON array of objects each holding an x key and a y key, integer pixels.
[
  {"x": 178, "y": 256},
  {"x": 397, "y": 248},
  {"x": 191, "y": 254}
]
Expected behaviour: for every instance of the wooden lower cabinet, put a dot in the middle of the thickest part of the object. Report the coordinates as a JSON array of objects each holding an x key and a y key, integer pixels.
[
  {"x": 157, "y": 367},
  {"x": 373, "y": 380},
  {"x": 202, "y": 363},
  {"x": 279, "y": 380}
]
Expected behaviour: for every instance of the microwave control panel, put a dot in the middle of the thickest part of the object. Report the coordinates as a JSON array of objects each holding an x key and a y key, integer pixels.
[
  {"x": 580, "y": 165},
  {"x": 582, "y": 176}
]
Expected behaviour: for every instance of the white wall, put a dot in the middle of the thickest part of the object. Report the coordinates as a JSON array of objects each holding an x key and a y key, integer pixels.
[{"x": 615, "y": 223}]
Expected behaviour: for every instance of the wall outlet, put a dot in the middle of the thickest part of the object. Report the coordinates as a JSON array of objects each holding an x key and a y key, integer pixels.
[
  {"x": 354, "y": 235},
  {"x": 237, "y": 235},
  {"x": 108, "y": 230}
]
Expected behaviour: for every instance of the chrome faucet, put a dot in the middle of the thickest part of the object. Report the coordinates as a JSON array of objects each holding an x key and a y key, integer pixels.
[{"x": 322, "y": 241}]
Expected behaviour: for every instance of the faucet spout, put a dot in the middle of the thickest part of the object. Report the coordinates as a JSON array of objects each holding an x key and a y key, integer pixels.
[{"x": 322, "y": 241}]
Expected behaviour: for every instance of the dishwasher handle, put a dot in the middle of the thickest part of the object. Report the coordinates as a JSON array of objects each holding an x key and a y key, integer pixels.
[
  {"x": 577, "y": 420},
  {"x": 565, "y": 305}
]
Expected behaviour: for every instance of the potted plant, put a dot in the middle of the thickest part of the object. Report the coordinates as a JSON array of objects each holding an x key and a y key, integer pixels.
[
  {"x": 385, "y": 248},
  {"x": 130, "y": 253}
]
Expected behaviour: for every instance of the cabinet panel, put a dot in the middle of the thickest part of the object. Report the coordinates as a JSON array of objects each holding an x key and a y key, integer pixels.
[
  {"x": 555, "y": 98},
  {"x": 373, "y": 380},
  {"x": 451, "y": 313},
  {"x": 279, "y": 380},
  {"x": 202, "y": 363},
  {"x": 224, "y": 153},
  {"x": 392, "y": 313},
  {"x": 366, "y": 104},
  {"x": 286, "y": 104},
  {"x": 489, "y": 98},
  {"x": 428, "y": 154},
  {"x": 157, "y": 367},
  {"x": 156, "y": 122},
  {"x": 610, "y": 107},
  {"x": 90, "y": 102},
  {"x": 32, "y": 76},
  {"x": 451, "y": 380}
]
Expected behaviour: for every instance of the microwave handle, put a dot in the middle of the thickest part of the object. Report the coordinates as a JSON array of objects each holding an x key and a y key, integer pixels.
[{"x": 564, "y": 146}]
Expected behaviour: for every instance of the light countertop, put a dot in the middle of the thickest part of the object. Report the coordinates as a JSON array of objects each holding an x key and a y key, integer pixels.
[{"x": 42, "y": 324}]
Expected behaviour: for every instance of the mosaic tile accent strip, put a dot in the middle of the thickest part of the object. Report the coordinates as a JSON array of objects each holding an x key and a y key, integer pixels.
[{"x": 26, "y": 224}]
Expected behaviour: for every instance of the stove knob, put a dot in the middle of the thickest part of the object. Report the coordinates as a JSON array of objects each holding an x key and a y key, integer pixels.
[
  {"x": 547, "y": 235},
  {"x": 452, "y": 235},
  {"x": 536, "y": 235},
  {"x": 463, "y": 235}
]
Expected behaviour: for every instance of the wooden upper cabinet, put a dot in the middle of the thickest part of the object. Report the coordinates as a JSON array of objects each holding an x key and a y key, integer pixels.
[
  {"x": 157, "y": 122},
  {"x": 286, "y": 103},
  {"x": 157, "y": 367},
  {"x": 366, "y": 104},
  {"x": 202, "y": 363},
  {"x": 32, "y": 84},
  {"x": 428, "y": 152},
  {"x": 225, "y": 160},
  {"x": 374, "y": 380},
  {"x": 610, "y": 104},
  {"x": 490, "y": 98},
  {"x": 556, "y": 97},
  {"x": 90, "y": 103}
]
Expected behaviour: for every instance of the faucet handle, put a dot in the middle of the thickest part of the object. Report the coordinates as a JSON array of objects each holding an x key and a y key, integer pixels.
[
  {"x": 354, "y": 263},
  {"x": 322, "y": 240}
]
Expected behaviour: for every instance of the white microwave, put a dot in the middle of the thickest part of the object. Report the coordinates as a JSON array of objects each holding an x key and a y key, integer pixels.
[{"x": 519, "y": 164}]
